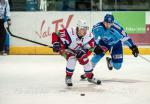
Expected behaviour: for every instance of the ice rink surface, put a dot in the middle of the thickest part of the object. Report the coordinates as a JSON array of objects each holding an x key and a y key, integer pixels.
[{"x": 40, "y": 80}]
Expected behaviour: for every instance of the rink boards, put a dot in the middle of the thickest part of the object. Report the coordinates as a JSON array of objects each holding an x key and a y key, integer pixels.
[
  {"x": 38, "y": 26},
  {"x": 45, "y": 50}
]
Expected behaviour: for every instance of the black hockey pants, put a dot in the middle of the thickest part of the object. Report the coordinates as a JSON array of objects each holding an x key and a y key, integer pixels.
[{"x": 2, "y": 34}]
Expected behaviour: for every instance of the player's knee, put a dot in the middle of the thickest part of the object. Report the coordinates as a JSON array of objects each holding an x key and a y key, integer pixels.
[
  {"x": 89, "y": 75},
  {"x": 117, "y": 66},
  {"x": 83, "y": 61}
]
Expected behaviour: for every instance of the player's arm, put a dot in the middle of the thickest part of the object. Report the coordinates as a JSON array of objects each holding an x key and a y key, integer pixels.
[
  {"x": 90, "y": 47},
  {"x": 56, "y": 41},
  {"x": 123, "y": 36},
  {"x": 87, "y": 49},
  {"x": 60, "y": 40},
  {"x": 132, "y": 46},
  {"x": 96, "y": 33},
  {"x": 128, "y": 41}
]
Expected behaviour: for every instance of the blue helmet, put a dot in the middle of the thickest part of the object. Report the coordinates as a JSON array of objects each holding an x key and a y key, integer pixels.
[{"x": 109, "y": 18}]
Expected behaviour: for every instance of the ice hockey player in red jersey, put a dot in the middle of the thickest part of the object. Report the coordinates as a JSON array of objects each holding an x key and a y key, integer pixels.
[{"x": 75, "y": 44}]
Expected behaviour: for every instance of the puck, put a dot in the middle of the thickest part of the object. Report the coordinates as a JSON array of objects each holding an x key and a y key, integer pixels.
[{"x": 82, "y": 94}]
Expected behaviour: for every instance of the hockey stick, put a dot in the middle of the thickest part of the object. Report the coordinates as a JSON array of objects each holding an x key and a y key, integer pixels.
[
  {"x": 11, "y": 34},
  {"x": 144, "y": 58}
]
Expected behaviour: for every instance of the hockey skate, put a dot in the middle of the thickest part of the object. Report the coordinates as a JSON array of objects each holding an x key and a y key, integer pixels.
[
  {"x": 109, "y": 64},
  {"x": 68, "y": 81}
]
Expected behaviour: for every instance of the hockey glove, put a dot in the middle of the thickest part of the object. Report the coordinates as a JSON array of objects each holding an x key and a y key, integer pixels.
[
  {"x": 98, "y": 50},
  {"x": 56, "y": 47},
  {"x": 135, "y": 50},
  {"x": 81, "y": 52}
]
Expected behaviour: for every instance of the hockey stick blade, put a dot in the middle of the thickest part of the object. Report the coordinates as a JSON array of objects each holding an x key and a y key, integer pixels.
[{"x": 11, "y": 34}]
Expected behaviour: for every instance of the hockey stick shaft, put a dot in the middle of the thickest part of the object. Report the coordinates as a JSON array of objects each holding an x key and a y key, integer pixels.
[
  {"x": 144, "y": 58},
  {"x": 11, "y": 34},
  {"x": 16, "y": 36}
]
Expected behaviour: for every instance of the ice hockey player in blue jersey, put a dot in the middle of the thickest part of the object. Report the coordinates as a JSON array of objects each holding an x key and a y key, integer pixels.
[{"x": 109, "y": 36}]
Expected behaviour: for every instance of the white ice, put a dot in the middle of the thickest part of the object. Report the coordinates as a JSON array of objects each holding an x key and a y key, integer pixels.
[{"x": 40, "y": 80}]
